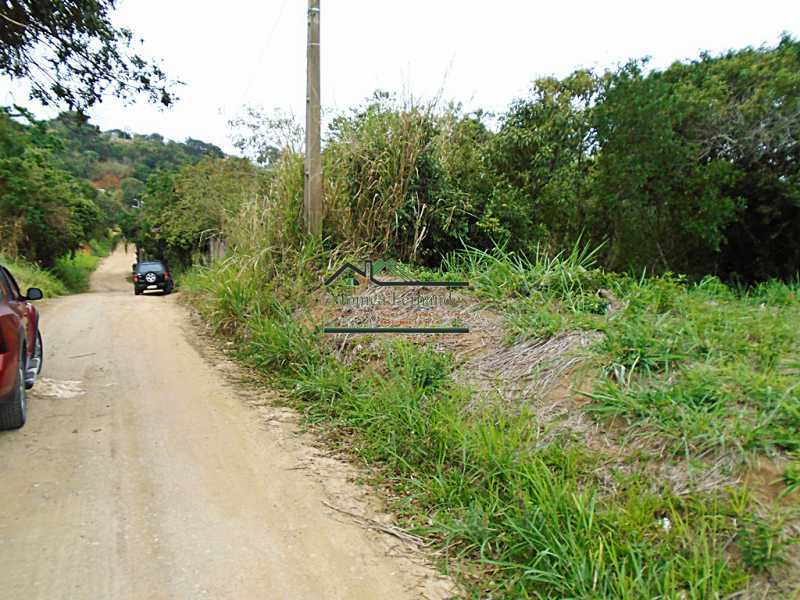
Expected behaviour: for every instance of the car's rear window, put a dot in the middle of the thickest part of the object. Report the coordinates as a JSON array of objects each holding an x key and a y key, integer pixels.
[{"x": 147, "y": 267}]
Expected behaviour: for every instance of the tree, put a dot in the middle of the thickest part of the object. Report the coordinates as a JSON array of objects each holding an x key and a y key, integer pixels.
[
  {"x": 544, "y": 156},
  {"x": 46, "y": 210},
  {"x": 699, "y": 165},
  {"x": 757, "y": 130},
  {"x": 264, "y": 137},
  {"x": 661, "y": 204},
  {"x": 183, "y": 209},
  {"x": 70, "y": 53}
]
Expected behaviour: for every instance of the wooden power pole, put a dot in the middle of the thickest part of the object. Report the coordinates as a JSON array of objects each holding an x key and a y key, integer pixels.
[{"x": 313, "y": 179}]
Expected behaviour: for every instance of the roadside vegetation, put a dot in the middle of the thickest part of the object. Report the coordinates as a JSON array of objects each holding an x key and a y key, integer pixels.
[
  {"x": 74, "y": 271},
  {"x": 31, "y": 275},
  {"x": 622, "y": 421},
  {"x": 669, "y": 469},
  {"x": 69, "y": 275}
]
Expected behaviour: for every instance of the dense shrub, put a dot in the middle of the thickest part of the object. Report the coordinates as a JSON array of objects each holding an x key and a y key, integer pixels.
[{"x": 691, "y": 169}]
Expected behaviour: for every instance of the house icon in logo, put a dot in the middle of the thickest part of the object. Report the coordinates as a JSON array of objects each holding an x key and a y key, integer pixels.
[{"x": 372, "y": 268}]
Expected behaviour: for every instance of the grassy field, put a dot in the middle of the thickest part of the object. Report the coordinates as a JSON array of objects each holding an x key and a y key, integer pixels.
[{"x": 660, "y": 461}]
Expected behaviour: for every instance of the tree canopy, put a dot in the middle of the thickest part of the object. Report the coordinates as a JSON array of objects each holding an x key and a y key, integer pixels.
[{"x": 71, "y": 54}]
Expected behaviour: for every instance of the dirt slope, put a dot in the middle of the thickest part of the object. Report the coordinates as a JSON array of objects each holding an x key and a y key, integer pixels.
[{"x": 142, "y": 474}]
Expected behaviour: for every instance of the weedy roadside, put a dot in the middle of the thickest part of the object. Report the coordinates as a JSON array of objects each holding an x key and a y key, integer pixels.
[{"x": 604, "y": 436}]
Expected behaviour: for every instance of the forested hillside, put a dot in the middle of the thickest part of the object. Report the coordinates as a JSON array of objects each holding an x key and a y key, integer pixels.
[{"x": 64, "y": 183}]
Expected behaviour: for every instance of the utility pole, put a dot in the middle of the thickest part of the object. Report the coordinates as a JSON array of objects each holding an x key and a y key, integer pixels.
[{"x": 313, "y": 179}]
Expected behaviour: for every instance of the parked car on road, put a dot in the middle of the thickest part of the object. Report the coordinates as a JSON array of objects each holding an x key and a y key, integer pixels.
[
  {"x": 21, "y": 350},
  {"x": 151, "y": 275}
]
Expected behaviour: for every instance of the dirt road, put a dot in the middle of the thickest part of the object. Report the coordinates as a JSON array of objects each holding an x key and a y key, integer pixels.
[{"x": 142, "y": 473}]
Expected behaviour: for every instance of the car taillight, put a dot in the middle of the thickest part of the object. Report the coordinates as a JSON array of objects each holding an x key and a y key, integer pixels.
[
  {"x": 166, "y": 275},
  {"x": 136, "y": 278}
]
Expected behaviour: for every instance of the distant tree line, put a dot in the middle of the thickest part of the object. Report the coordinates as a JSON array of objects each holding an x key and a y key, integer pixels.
[
  {"x": 187, "y": 208},
  {"x": 691, "y": 169}
]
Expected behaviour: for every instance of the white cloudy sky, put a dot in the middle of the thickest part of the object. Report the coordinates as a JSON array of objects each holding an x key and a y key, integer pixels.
[{"x": 481, "y": 53}]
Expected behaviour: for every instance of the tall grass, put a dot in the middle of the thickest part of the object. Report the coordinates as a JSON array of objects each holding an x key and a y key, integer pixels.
[
  {"x": 30, "y": 275},
  {"x": 377, "y": 177},
  {"x": 74, "y": 271}
]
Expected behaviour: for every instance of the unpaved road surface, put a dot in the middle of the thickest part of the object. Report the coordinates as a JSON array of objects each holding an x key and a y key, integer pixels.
[{"x": 143, "y": 474}]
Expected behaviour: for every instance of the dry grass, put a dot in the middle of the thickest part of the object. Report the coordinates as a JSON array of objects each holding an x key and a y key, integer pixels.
[{"x": 529, "y": 370}]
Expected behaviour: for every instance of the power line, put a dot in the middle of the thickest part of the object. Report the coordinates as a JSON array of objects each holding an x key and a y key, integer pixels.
[{"x": 262, "y": 54}]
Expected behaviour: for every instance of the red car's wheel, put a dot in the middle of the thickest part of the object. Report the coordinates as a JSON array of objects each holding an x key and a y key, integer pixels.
[
  {"x": 14, "y": 413},
  {"x": 34, "y": 367},
  {"x": 39, "y": 351}
]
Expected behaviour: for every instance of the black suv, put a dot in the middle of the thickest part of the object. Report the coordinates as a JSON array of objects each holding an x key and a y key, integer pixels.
[{"x": 151, "y": 275}]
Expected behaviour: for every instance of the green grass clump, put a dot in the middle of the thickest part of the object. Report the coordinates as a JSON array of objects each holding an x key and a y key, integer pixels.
[
  {"x": 762, "y": 544},
  {"x": 103, "y": 247},
  {"x": 791, "y": 477},
  {"x": 30, "y": 275},
  {"x": 75, "y": 271},
  {"x": 704, "y": 365},
  {"x": 569, "y": 278}
]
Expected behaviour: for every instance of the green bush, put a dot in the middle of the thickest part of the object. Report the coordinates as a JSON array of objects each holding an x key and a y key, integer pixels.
[
  {"x": 102, "y": 247},
  {"x": 74, "y": 271}
]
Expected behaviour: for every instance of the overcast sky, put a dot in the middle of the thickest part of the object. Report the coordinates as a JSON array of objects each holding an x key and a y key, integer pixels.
[{"x": 481, "y": 53}]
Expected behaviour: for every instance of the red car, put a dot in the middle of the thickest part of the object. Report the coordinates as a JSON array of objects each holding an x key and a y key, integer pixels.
[{"x": 20, "y": 349}]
